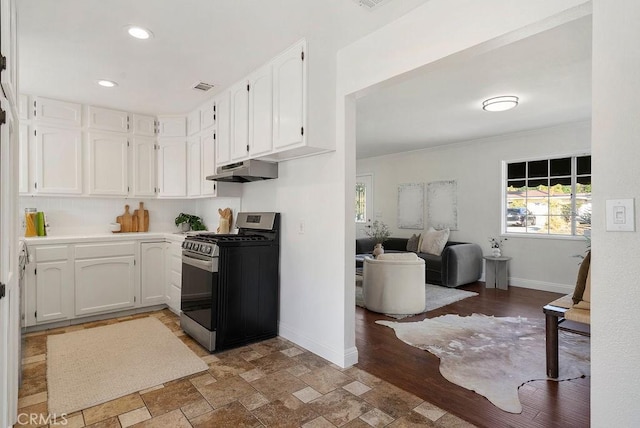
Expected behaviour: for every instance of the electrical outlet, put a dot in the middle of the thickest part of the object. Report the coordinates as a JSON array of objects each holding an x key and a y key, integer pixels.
[{"x": 301, "y": 227}]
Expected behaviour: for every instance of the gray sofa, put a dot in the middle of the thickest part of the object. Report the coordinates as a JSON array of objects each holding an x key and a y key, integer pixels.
[{"x": 460, "y": 262}]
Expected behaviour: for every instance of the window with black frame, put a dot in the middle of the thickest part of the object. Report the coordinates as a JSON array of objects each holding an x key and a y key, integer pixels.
[{"x": 548, "y": 196}]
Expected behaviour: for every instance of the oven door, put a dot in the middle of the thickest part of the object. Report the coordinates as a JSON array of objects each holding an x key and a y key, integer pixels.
[{"x": 199, "y": 296}]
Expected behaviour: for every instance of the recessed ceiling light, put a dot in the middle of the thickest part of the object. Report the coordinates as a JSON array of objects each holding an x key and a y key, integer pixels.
[
  {"x": 107, "y": 83},
  {"x": 502, "y": 103},
  {"x": 139, "y": 32}
]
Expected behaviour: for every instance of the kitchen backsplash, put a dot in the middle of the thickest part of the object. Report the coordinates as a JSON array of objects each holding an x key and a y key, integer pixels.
[{"x": 81, "y": 216}]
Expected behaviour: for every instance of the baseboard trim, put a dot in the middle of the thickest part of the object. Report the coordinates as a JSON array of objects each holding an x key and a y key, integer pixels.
[
  {"x": 343, "y": 358},
  {"x": 542, "y": 286}
]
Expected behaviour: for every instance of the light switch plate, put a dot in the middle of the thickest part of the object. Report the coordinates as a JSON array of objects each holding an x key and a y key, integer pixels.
[{"x": 620, "y": 215}]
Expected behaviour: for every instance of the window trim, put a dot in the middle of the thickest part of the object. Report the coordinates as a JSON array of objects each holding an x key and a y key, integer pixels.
[{"x": 503, "y": 197}]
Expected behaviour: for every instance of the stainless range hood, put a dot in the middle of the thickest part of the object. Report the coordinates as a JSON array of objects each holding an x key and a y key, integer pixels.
[{"x": 242, "y": 172}]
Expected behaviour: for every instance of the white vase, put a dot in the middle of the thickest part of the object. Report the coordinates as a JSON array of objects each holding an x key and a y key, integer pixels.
[
  {"x": 496, "y": 252},
  {"x": 377, "y": 250}
]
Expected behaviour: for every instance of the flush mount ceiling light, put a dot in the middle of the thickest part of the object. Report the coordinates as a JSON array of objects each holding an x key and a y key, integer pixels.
[
  {"x": 502, "y": 103},
  {"x": 139, "y": 32},
  {"x": 107, "y": 83}
]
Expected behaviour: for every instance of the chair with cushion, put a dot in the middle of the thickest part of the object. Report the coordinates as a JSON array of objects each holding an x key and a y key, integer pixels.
[
  {"x": 394, "y": 283},
  {"x": 570, "y": 313}
]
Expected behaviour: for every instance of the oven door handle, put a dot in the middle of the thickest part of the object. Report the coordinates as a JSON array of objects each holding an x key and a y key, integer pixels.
[{"x": 198, "y": 263}]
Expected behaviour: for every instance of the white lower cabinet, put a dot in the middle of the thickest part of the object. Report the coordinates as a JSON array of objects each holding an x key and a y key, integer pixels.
[
  {"x": 152, "y": 276},
  {"x": 173, "y": 270},
  {"x": 105, "y": 277}
]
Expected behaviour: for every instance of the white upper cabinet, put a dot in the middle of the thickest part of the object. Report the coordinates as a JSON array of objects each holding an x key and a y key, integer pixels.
[
  {"x": 172, "y": 167},
  {"x": 208, "y": 115},
  {"x": 193, "y": 122},
  {"x": 172, "y": 126},
  {"x": 57, "y": 112},
  {"x": 289, "y": 97},
  {"x": 58, "y": 160},
  {"x": 107, "y": 119},
  {"x": 144, "y": 125},
  {"x": 260, "y": 111},
  {"x": 208, "y": 163},
  {"x": 222, "y": 134},
  {"x": 23, "y": 170},
  {"x": 9, "y": 49},
  {"x": 239, "y": 136},
  {"x": 108, "y": 164},
  {"x": 194, "y": 166},
  {"x": 144, "y": 166}
]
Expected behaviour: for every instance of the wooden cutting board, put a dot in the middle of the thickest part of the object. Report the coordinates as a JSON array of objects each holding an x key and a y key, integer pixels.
[
  {"x": 142, "y": 218},
  {"x": 126, "y": 220}
]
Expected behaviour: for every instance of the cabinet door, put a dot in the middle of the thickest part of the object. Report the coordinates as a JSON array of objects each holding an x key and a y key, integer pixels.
[
  {"x": 53, "y": 282},
  {"x": 260, "y": 112},
  {"x": 144, "y": 166},
  {"x": 172, "y": 126},
  {"x": 23, "y": 163},
  {"x": 107, "y": 119},
  {"x": 58, "y": 160},
  {"x": 172, "y": 168},
  {"x": 208, "y": 164},
  {"x": 193, "y": 122},
  {"x": 152, "y": 278},
  {"x": 207, "y": 115},
  {"x": 223, "y": 131},
  {"x": 144, "y": 125},
  {"x": 108, "y": 164},
  {"x": 57, "y": 112},
  {"x": 289, "y": 97},
  {"x": 194, "y": 169},
  {"x": 174, "y": 275},
  {"x": 9, "y": 49},
  {"x": 23, "y": 107},
  {"x": 104, "y": 284},
  {"x": 239, "y": 136}
]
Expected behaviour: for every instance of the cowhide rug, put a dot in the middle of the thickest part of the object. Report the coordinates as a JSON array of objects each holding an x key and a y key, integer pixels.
[{"x": 494, "y": 356}]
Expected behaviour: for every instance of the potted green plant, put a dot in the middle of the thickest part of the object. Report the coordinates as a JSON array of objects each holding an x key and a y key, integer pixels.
[{"x": 188, "y": 222}]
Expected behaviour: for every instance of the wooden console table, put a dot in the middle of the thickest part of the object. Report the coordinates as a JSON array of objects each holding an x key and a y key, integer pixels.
[{"x": 496, "y": 272}]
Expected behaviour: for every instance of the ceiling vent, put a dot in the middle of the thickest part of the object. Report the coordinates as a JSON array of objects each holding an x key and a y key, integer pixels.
[
  {"x": 202, "y": 86},
  {"x": 371, "y": 4}
]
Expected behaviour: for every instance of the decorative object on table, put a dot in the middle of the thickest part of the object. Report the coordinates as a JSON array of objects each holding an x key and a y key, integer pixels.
[
  {"x": 496, "y": 246},
  {"x": 379, "y": 231},
  {"x": 411, "y": 206},
  {"x": 142, "y": 216},
  {"x": 226, "y": 219},
  {"x": 442, "y": 204},
  {"x": 493, "y": 356},
  {"x": 189, "y": 222}
]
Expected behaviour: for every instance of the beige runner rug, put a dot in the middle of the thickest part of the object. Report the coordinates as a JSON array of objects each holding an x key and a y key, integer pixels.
[{"x": 93, "y": 366}]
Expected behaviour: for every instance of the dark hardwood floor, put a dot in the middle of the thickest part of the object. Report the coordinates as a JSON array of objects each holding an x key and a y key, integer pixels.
[{"x": 545, "y": 403}]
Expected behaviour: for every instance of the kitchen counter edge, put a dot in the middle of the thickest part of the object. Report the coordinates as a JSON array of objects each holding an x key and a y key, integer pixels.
[{"x": 105, "y": 237}]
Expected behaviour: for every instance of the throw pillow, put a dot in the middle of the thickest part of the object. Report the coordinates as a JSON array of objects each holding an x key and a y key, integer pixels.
[
  {"x": 581, "y": 282},
  {"x": 412, "y": 243},
  {"x": 434, "y": 241},
  {"x": 585, "y": 303}
]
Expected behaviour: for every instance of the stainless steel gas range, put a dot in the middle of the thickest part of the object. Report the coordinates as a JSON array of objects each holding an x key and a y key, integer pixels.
[{"x": 230, "y": 283}]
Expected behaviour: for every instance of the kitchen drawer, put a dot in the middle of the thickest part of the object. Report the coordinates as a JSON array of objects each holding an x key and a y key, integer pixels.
[
  {"x": 88, "y": 251},
  {"x": 52, "y": 253}
]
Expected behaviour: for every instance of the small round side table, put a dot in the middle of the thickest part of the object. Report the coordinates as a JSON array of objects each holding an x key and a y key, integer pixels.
[{"x": 496, "y": 272}]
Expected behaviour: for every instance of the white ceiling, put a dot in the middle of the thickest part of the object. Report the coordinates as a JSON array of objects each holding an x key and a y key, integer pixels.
[
  {"x": 550, "y": 72},
  {"x": 65, "y": 46}
]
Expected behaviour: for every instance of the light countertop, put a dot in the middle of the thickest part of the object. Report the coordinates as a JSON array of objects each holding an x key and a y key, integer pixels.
[{"x": 105, "y": 237}]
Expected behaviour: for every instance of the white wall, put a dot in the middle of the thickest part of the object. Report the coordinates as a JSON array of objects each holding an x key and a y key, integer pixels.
[
  {"x": 76, "y": 216},
  {"x": 615, "y": 342},
  {"x": 547, "y": 264}
]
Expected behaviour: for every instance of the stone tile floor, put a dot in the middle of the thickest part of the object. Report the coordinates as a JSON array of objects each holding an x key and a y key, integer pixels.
[{"x": 273, "y": 383}]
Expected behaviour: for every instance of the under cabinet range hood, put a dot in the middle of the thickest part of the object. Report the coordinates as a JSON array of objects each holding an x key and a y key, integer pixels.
[{"x": 242, "y": 172}]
